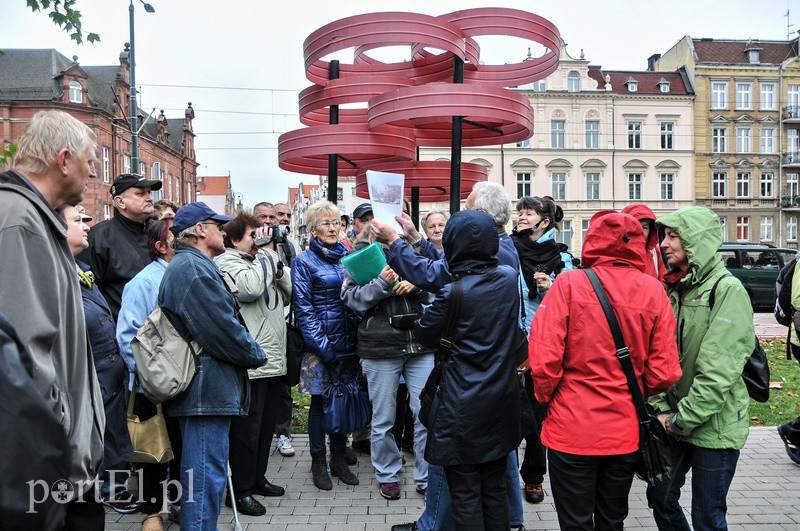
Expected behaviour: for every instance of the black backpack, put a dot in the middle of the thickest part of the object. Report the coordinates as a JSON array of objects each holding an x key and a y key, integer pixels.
[{"x": 783, "y": 294}]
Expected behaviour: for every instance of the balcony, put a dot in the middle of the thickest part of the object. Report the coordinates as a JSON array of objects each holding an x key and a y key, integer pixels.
[
  {"x": 791, "y": 159},
  {"x": 790, "y": 202},
  {"x": 791, "y": 114}
]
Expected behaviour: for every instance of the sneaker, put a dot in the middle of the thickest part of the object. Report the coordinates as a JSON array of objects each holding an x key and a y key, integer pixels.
[
  {"x": 422, "y": 490},
  {"x": 791, "y": 450},
  {"x": 122, "y": 502},
  {"x": 284, "y": 445},
  {"x": 390, "y": 491},
  {"x": 534, "y": 493}
]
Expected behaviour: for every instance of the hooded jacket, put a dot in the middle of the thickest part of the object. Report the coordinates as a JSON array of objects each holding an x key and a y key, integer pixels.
[
  {"x": 41, "y": 298},
  {"x": 710, "y": 400},
  {"x": 266, "y": 326},
  {"x": 475, "y": 414},
  {"x": 572, "y": 354},
  {"x": 655, "y": 262}
]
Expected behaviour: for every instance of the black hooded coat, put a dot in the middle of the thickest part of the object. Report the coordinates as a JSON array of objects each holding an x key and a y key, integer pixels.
[{"x": 475, "y": 415}]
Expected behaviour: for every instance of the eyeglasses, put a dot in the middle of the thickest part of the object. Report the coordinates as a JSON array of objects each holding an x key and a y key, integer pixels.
[
  {"x": 335, "y": 224},
  {"x": 218, "y": 224}
]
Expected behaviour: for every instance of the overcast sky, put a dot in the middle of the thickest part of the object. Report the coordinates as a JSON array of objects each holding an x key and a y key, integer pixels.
[{"x": 258, "y": 45}]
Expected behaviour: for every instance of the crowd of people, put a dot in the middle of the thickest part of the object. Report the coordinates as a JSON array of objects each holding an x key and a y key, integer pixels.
[{"x": 510, "y": 325}]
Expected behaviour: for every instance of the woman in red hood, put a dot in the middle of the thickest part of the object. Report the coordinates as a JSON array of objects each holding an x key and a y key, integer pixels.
[{"x": 645, "y": 216}]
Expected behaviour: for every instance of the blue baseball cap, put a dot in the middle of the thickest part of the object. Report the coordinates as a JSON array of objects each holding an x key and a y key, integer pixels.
[{"x": 192, "y": 214}]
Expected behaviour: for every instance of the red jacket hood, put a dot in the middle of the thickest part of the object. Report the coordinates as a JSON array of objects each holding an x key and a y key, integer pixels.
[
  {"x": 614, "y": 237},
  {"x": 641, "y": 212}
]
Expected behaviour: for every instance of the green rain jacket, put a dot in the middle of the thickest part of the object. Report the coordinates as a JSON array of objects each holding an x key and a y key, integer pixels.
[{"x": 710, "y": 399}]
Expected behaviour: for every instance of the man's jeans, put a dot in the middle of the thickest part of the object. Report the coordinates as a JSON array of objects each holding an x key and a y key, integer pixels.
[
  {"x": 205, "y": 457},
  {"x": 712, "y": 473},
  {"x": 383, "y": 379},
  {"x": 437, "y": 515}
]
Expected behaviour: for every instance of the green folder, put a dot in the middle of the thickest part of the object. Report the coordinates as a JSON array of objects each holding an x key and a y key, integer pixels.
[{"x": 366, "y": 264}]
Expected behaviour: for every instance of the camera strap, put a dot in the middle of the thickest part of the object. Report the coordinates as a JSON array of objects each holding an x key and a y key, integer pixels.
[{"x": 274, "y": 280}]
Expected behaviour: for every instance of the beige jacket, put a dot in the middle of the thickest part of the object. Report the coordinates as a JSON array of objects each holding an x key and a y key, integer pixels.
[{"x": 266, "y": 326}]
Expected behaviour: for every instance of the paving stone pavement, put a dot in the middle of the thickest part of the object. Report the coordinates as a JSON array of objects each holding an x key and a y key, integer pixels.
[{"x": 764, "y": 496}]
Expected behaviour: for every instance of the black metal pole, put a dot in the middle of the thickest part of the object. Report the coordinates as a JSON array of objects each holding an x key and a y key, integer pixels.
[
  {"x": 333, "y": 160},
  {"x": 455, "y": 146},
  {"x": 415, "y": 205}
]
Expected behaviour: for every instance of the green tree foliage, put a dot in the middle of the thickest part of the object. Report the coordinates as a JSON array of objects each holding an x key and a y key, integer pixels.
[
  {"x": 64, "y": 15},
  {"x": 7, "y": 153}
]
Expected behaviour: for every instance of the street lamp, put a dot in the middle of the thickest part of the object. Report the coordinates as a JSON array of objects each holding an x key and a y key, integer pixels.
[{"x": 134, "y": 107}]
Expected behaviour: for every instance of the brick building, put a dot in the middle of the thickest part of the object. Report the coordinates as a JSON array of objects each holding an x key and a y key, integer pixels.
[
  {"x": 216, "y": 191},
  {"x": 34, "y": 80}
]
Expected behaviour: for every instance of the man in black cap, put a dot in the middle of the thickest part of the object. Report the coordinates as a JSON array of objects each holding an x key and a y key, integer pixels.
[
  {"x": 118, "y": 247},
  {"x": 361, "y": 216}
]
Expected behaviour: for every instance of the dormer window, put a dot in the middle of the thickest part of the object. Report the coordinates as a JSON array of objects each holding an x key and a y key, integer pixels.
[
  {"x": 753, "y": 56},
  {"x": 663, "y": 86},
  {"x": 75, "y": 92},
  {"x": 633, "y": 85}
]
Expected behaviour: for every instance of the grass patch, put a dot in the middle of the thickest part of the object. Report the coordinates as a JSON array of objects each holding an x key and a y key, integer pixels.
[
  {"x": 784, "y": 403},
  {"x": 302, "y": 401}
]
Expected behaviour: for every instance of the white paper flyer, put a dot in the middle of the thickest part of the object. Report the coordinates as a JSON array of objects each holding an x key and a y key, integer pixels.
[{"x": 386, "y": 196}]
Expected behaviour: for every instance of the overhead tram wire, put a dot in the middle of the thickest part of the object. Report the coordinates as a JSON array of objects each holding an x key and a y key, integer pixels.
[{"x": 254, "y": 89}]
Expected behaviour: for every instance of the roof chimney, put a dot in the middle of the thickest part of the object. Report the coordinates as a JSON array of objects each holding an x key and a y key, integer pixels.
[{"x": 651, "y": 61}]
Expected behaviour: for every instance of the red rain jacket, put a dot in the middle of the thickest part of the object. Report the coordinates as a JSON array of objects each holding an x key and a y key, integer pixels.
[
  {"x": 641, "y": 212},
  {"x": 572, "y": 354}
]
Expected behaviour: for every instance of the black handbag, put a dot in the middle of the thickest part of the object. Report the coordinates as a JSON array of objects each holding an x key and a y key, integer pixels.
[
  {"x": 756, "y": 370},
  {"x": 653, "y": 462},
  {"x": 445, "y": 344}
]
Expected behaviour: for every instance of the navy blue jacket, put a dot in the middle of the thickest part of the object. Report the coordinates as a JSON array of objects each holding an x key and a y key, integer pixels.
[
  {"x": 112, "y": 374},
  {"x": 329, "y": 326},
  {"x": 193, "y": 291},
  {"x": 428, "y": 269},
  {"x": 475, "y": 414}
]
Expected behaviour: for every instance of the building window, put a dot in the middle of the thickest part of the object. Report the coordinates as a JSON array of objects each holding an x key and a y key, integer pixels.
[
  {"x": 523, "y": 184},
  {"x": 633, "y": 86},
  {"x": 634, "y": 186},
  {"x": 592, "y": 135},
  {"x": 573, "y": 82},
  {"x": 524, "y": 143},
  {"x": 565, "y": 234},
  {"x": 723, "y": 221},
  {"x": 792, "y": 142},
  {"x": 557, "y": 140},
  {"x": 126, "y": 164},
  {"x": 768, "y": 141},
  {"x": 791, "y": 228},
  {"x": 767, "y": 228},
  {"x": 667, "y": 186},
  {"x": 593, "y": 186},
  {"x": 106, "y": 169},
  {"x": 584, "y": 229},
  {"x": 792, "y": 185},
  {"x": 768, "y": 97},
  {"x": 719, "y": 95},
  {"x": 540, "y": 86},
  {"x": 664, "y": 87},
  {"x": 143, "y": 169},
  {"x": 744, "y": 140},
  {"x": 106, "y": 211},
  {"x": 743, "y": 96},
  {"x": 719, "y": 183},
  {"x": 75, "y": 92},
  {"x": 188, "y": 198},
  {"x": 768, "y": 184},
  {"x": 719, "y": 140},
  {"x": 743, "y": 184},
  {"x": 155, "y": 171},
  {"x": 634, "y": 135},
  {"x": 559, "y": 187},
  {"x": 793, "y": 98},
  {"x": 743, "y": 228},
  {"x": 667, "y": 129}
]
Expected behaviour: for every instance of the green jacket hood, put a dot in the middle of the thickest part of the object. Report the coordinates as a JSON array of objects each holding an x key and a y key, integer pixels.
[{"x": 701, "y": 233}]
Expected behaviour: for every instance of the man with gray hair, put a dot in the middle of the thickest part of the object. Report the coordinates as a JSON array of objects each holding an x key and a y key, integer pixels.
[
  {"x": 266, "y": 213},
  {"x": 40, "y": 295}
]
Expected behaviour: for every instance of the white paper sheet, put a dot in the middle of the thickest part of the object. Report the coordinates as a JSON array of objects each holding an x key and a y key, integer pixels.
[{"x": 386, "y": 196}]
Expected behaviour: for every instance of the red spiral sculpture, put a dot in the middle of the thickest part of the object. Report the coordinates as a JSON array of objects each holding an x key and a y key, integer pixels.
[{"x": 433, "y": 100}]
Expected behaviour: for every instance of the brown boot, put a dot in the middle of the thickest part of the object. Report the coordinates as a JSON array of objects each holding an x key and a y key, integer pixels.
[
  {"x": 319, "y": 471},
  {"x": 340, "y": 469}
]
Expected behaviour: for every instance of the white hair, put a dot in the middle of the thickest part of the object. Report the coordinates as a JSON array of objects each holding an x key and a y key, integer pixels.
[
  {"x": 184, "y": 235},
  {"x": 319, "y": 209},
  {"x": 495, "y": 200},
  {"x": 432, "y": 212},
  {"x": 48, "y": 133}
]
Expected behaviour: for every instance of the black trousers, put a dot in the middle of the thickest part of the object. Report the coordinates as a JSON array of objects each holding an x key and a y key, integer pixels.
[
  {"x": 283, "y": 413},
  {"x": 152, "y": 476},
  {"x": 534, "y": 464},
  {"x": 86, "y": 515},
  {"x": 251, "y": 436},
  {"x": 591, "y": 492},
  {"x": 792, "y": 428},
  {"x": 479, "y": 496}
]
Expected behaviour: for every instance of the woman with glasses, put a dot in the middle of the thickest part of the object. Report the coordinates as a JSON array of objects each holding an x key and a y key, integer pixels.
[
  {"x": 251, "y": 258},
  {"x": 329, "y": 329}
]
